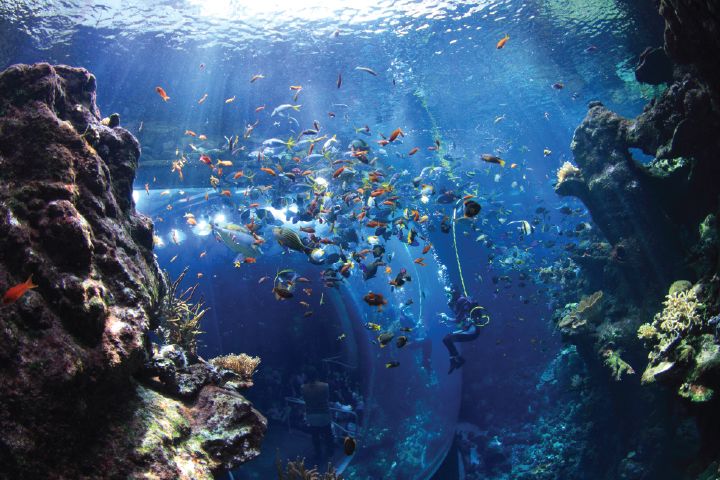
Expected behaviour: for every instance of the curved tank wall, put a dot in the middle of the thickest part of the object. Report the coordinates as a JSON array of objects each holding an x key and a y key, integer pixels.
[{"x": 410, "y": 411}]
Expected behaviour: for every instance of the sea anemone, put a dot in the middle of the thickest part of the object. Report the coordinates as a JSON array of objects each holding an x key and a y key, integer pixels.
[{"x": 566, "y": 171}]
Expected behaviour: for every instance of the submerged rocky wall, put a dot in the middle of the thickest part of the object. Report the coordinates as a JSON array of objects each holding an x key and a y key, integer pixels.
[
  {"x": 658, "y": 264},
  {"x": 79, "y": 395}
]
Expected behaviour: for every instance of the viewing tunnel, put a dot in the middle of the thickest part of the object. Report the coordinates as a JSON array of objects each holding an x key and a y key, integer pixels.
[{"x": 403, "y": 419}]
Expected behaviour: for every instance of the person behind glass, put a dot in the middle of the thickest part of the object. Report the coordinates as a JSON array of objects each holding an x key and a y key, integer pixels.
[
  {"x": 467, "y": 314},
  {"x": 316, "y": 395}
]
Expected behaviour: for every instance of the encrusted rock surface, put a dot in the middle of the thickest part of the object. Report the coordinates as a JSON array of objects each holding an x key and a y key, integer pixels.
[{"x": 71, "y": 350}]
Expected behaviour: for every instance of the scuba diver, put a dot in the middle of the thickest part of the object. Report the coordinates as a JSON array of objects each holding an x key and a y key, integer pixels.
[{"x": 469, "y": 318}]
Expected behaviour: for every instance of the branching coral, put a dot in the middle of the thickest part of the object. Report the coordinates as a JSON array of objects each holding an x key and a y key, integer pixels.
[
  {"x": 242, "y": 365},
  {"x": 567, "y": 170},
  {"x": 180, "y": 316},
  {"x": 681, "y": 312},
  {"x": 296, "y": 471}
]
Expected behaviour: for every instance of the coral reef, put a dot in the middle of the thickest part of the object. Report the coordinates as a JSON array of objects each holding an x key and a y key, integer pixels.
[
  {"x": 295, "y": 470},
  {"x": 659, "y": 221},
  {"x": 567, "y": 171},
  {"x": 584, "y": 312},
  {"x": 80, "y": 391}
]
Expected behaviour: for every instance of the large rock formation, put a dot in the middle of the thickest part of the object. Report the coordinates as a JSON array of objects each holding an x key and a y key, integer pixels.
[
  {"x": 660, "y": 220},
  {"x": 74, "y": 399}
]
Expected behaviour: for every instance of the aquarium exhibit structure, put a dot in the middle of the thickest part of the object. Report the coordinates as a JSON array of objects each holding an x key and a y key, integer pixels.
[{"x": 360, "y": 239}]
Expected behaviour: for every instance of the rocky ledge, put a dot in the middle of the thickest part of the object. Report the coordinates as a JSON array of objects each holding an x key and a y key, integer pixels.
[{"x": 81, "y": 395}]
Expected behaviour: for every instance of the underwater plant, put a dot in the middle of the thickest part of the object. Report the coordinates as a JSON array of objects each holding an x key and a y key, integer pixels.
[
  {"x": 180, "y": 317},
  {"x": 242, "y": 365},
  {"x": 296, "y": 471}
]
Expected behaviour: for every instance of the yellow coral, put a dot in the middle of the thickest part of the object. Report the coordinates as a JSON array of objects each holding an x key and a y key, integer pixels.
[
  {"x": 646, "y": 332},
  {"x": 682, "y": 311},
  {"x": 567, "y": 170},
  {"x": 243, "y": 365}
]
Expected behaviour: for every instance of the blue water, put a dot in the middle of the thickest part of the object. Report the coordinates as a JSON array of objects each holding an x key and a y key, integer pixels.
[{"x": 440, "y": 76}]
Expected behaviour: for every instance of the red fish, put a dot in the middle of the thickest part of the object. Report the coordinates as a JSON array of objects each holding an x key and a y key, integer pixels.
[
  {"x": 338, "y": 171},
  {"x": 503, "y": 41},
  {"x": 397, "y": 132},
  {"x": 269, "y": 171},
  {"x": 206, "y": 160},
  {"x": 375, "y": 300},
  {"x": 413, "y": 151},
  {"x": 160, "y": 91},
  {"x": 14, "y": 293}
]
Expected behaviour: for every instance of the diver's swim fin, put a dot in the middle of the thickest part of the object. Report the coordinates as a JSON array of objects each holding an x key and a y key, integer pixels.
[{"x": 456, "y": 363}]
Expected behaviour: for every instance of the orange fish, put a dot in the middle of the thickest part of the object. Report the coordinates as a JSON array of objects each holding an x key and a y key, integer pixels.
[
  {"x": 269, "y": 171},
  {"x": 338, "y": 171},
  {"x": 503, "y": 41},
  {"x": 238, "y": 175},
  {"x": 14, "y": 293},
  {"x": 420, "y": 261},
  {"x": 468, "y": 197},
  {"x": 361, "y": 215},
  {"x": 383, "y": 142},
  {"x": 191, "y": 221},
  {"x": 378, "y": 192},
  {"x": 191, "y": 133},
  {"x": 202, "y": 254},
  {"x": 397, "y": 132},
  {"x": 254, "y": 205},
  {"x": 250, "y": 260},
  {"x": 202, "y": 137},
  {"x": 160, "y": 91},
  {"x": 426, "y": 248},
  {"x": 295, "y": 87},
  {"x": 227, "y": 193},
  {"x": 513, "y": 165},
  {"x": 388, "y": 203},
  {"x": 376, "y": 224},
  {"x": 388, "y": 269},
  {"x": 413, "y": 151}
]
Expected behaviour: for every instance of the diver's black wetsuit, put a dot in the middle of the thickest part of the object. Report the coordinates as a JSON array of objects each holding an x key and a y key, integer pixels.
[{"x": 468, "y": 332}]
